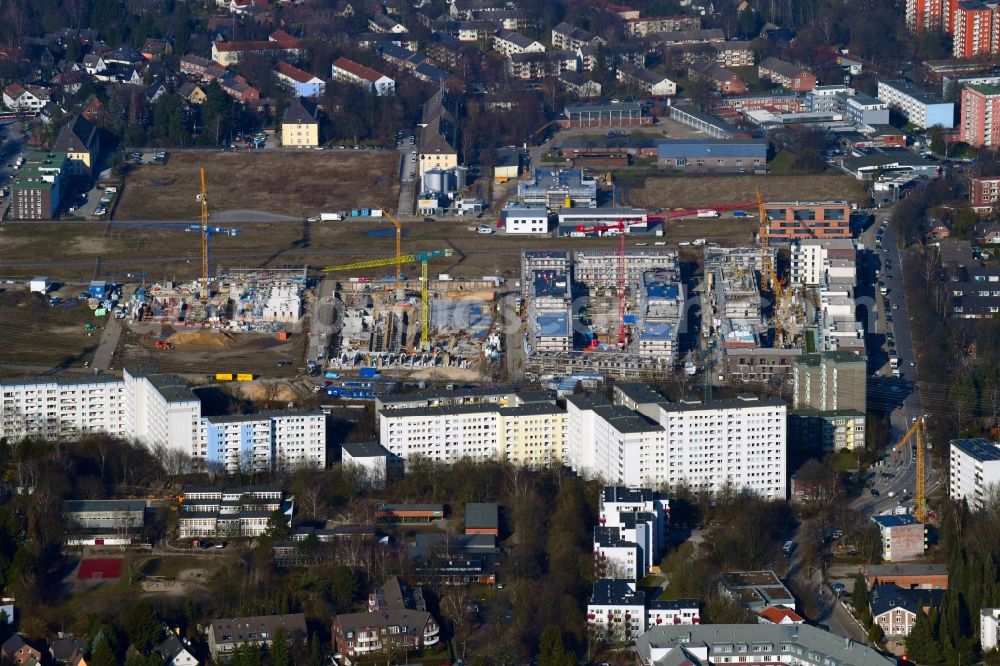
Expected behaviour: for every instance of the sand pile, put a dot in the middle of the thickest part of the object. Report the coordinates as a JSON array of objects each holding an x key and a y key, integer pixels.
[{"x": 203, "y": 338}]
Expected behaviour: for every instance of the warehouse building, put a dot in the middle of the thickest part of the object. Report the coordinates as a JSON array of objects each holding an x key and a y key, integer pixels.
[{"x": 736, "y": 155}]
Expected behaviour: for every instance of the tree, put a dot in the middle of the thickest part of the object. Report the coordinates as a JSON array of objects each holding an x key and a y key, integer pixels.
[
  {"x": 859, "y": 595},
  {"x": 103, "y": 655},
  {"x": 143, "y": 627},
  {"x": 277, "y": 526},
  {"x": 551, "y": 650},
  {"x": 343, "y": 586},
  {"x": 921, "y": 646},
  {"x": 280, "y": 649}
]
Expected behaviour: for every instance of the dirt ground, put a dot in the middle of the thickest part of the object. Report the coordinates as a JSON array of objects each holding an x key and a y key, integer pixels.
[
  {"x": 695, "y": 191},
  {"x": 33, "y": 332},
  {"x": 68, "y": 252},
  {"x": 297, "y": 184}
]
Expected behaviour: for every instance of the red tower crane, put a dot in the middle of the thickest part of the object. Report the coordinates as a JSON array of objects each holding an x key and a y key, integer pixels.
[{"x": 620, "y": 226}]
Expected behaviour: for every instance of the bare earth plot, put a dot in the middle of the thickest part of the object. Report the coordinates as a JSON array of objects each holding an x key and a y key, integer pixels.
[
  {"x": 35, "y": 333},
  {"x": 295, "y": 184},
  {"x": 695, "y": 191}
]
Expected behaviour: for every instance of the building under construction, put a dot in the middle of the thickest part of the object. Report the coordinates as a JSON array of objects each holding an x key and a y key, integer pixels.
[{"x": 580, "y": 319}]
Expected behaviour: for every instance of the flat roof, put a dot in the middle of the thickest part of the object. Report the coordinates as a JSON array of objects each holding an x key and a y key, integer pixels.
[
  {"x": 916, "y": 92},
  {"x": 638, "y": 392},
  {"x": 978, "y": 448},
  {"x": 552, "y": 325},
  {"x": 625, "y": 421},
  {"x": 655, "y": 330},
  {"x": 895, "y": 520},
  {"x": 88, "y": 506},
  {"x": 365, "y": 449}
]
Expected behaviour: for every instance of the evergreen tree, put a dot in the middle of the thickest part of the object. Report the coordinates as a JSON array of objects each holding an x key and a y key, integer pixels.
[
  {"x": 103, "y": 656},
  {"x": 280, "y": 650},
  {"x": 859, "y": 595},
  {"x": 551, "y": 650},
  {"x": 921, "y": 646},
  {"x": 143, "y": 627},
  {"x": 315, "y": 653}
]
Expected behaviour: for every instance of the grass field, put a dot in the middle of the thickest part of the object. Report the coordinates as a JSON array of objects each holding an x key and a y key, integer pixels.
[
  {"x": 35, "y": 333},
  {"x": 297, "y": 184},
  {"x": 696, "y": 191}
]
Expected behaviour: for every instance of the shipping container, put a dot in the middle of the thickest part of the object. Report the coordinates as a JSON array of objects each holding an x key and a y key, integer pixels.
[
  {"x": 370, "y": 373},
  {"x": 244, "y": 377},
  {"x": 223, "y": 376}
]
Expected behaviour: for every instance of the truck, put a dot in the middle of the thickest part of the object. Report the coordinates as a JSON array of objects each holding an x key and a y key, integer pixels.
[
  {"x": 330, "y": 217},
  {"x": 740, "y": 213},
  {"x": 375, "y": 212},
  {"x": 708, "y": 213}
]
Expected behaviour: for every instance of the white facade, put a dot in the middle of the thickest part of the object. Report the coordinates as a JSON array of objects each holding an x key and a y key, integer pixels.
[
  {"x": 61, "y": 407},
  {"x": 508, "y": 43},
  {"x": 525, "y": 221},
  {"x": 619, "y": 504},
  {"x": 812, "y": 266},
  {"x": 988, "y": 620},
  {"x": 974, "y": 471},
  {"x": 616, "y": 611},
  {"x": 674, "y": 611},
  {"x": 445, "y": 434},
  {"x": 160, "y": 411},
  {"x": 370, "y": 457},
  {"x": 615, "y": 557},
  {"x": 920, "y": 108}
]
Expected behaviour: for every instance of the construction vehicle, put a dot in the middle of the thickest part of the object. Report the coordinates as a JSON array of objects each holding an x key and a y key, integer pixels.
[
  {"x": 916, "y": 432},
  {"x": 422, "y": 257},
  {"x": 160, "y": 344},
  {"x": 206, "y": 233}
]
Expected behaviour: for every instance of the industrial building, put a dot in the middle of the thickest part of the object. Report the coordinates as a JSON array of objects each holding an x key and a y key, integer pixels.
[
  {"x": 713, "y": 155},
  {"x": 622, "y": 114},
  {"x": 521, "y": 220}
]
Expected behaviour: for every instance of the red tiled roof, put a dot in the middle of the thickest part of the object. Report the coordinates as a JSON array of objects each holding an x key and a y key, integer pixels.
[
  {"x": 293, "y": 72},
  {"x": 776, "y": 615},
  {"x": 14, "y": 90},
  {"x": 283, "y": 38},
  {"x": 357, "y": 69}
]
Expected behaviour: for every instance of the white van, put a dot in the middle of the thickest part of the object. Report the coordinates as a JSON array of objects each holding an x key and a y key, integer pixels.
[
  {"x": 577, "y": 234},
  {"x": 483, "y": 229}
]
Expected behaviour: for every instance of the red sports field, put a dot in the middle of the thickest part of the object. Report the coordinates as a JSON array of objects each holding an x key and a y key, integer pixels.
[{"x": 100, "y": 568}]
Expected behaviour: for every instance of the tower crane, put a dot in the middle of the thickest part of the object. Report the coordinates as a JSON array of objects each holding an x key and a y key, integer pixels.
[
  {"x": 422, "y": 257},
  {"x": 399, "y": 241},
  {"x": 206, "y": 233},
  {"x": 767, "y": 268},
  {"x": 620, "y": 226},
  {"x": 916, "y": 432}
]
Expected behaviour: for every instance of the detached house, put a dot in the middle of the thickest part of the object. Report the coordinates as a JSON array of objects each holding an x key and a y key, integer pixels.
[
  {"x": 81, "y": 141},
  {"x": 25, "y": 99},
  {"x": 299, "y": 127},
  {"x": 15, "y": 650},
  {"x": 383, "y": 24}
]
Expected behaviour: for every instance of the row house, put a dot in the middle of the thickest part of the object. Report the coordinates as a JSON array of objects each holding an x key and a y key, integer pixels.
[
  {"x": 444, "y": 49},
  {"x": 794, "y": 77},
  {"x": 475, "y": 31},
  {"x": 202, "y": 68},
  {"x": 725, "y": 81},
  {"x": 25, "y": 98},
  {"x": 509, "y": 43},
  {"x": 464, "y": 9},
  {"x": 682, "y": 37},
  {"x": 357, "y": 74},
  {"x": 569, "y": 37},
  {"x": 302, "y": 83}
]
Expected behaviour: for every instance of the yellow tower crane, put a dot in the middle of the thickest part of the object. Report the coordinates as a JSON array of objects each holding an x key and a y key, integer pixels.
[
  {"x": 916, "y": 432},
  {"x": 399, "y": 240},
  {"x": 768, "y": 270},
  {"x": 206, "y": 234},
  {"x": 422, "y": 257}
]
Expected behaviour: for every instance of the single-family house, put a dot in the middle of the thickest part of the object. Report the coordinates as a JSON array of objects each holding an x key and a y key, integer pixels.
[{"x": 15, "y": 650}]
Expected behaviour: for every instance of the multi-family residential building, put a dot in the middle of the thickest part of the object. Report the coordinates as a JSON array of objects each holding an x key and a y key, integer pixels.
[
  {"x": 725, "y": 81},
  {"x": 895, "y": 609},
  {"x": 717, "y": 644},
  {"x": 866, "y": 111},
  {"x": 397, "y": 617},
  {"x": 790, "y": 220},
  {"x": 568, "y": 37},
  {"x": 989, "y": 619},
  {"x": 826, "y": 430},
  {"x": 817, "y": 262},
  {"x": 984, "y": 193},
  {"x": 61, "y": 407},
  {"x": 903, "y": 537},
  {"x": 228, "y": 634},
  {"x": 830, "y": 381},
  {"x": 923, "y": 109},
  {"x": 618, "y": 612},
  {"x": 303, "y": 84},
  {"x": 80, "y": 141},
  {"x": 370, "y": 457},
  {"x": 299, "y": 127},
  {"x": 980, "y": 115},
  {"x": 438, "y": 135},
  {"x": 508, "y": 42},
  {"x": 30, "y": 99},
  {"x": 357, "y": 74},
  {"x": 648, "y": 81},
  {"x": 973, "y": 26},
  {"x": 266, "y": 440},
  {"x": 794, "y": 77},
  {"x": 929, "y": 15},
  {"x": 651, "y": 24},
  {"x": 974, "y": 471},
  {"x": 277, "y": 46},
  {"x": 733, "y": 54},
  {"x": 230, "y": 513},
  {"x": 615, "y": 557}
]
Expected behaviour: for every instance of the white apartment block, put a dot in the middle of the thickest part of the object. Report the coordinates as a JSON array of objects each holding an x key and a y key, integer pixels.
[
  {"x": 988, "y": 620},
  {"x": 282, "y": 440},
  {"x": 974, "y": 471},
  {"x": 531, "y": 434},
  {"x": 920, "y": 107},
  {"x": 616, "y": 611},
  {"x": 740, "y": 442},
  {"x": 507, "y": 43},
  {"x": 618, "y": 504},
  {"x": 525, "y": 221},
  {"x": 615, "y": 557},
  {"x": 162, "y": 412},
  {"x": 61, "y": 406},
  {"x": 816, "y": 262},
  {"x": 672, "y": 611}
]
